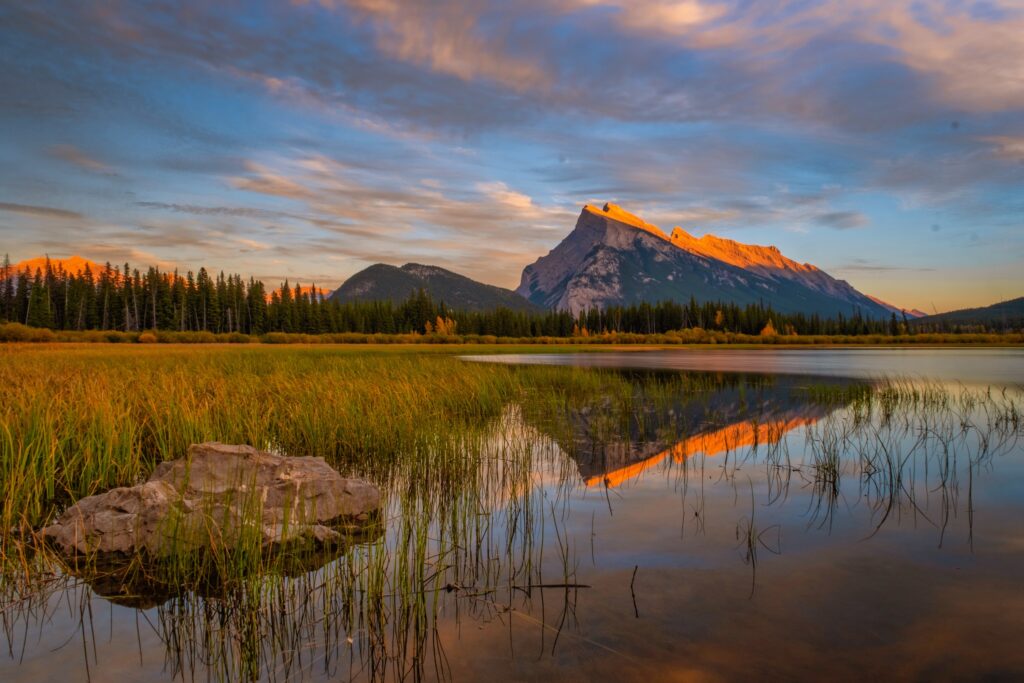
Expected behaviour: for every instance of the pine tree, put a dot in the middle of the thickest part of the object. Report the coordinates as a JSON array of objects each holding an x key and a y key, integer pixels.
[
  {"x": 40, "y": 312},
  {"x": 7, "y": 290}
]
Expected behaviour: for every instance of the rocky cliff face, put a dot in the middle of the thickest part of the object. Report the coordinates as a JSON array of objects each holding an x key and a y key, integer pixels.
[
  {"x": 769, "y": 262},
  {"x": 613, "y": 257}
]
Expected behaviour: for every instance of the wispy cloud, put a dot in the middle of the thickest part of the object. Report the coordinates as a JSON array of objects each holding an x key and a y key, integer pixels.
[
  {"x": 447, "y": 39},
  {"x": 74, "y": 155},
  {"x": 842, "y": 220},
  {"x": 41, "y": 211},
  {"x": 1010, "y": 147},
  {"x": 193, "y": 209},
  {"x": 488, "y": 231},
  {"x": 864, "y": 265}
]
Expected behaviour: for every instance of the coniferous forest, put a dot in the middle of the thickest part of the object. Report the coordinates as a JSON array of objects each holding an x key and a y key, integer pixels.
[{"x": 125, "y": 299}]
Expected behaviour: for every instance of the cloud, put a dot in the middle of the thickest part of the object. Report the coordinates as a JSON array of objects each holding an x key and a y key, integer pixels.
[
  {"x": 500, "y": 192},
  {"x": 1010, "y": 147},
  {"x": 41, "y": 211},
  {"x": 236, "y": 211},
  {"x": 481, "y": 63},
  {"x": 447, "y": 39},
  {"x": 842, "y": 220},
  {"x": 262, "y": 180},
  {"x": 864, "y": 265},
  {"x": 488, "y": 232},
  {"x": 968, "y": 60},
  {"x": 73, "y": 155},
  {"x": 666, "y": 17}
]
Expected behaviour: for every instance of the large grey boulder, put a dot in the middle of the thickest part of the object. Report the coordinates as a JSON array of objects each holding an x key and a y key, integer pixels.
[{"x": 219, "y": 496}]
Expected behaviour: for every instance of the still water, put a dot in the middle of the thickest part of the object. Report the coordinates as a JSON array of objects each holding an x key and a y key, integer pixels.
[
  {"x": 980, "y": 366},
  {"x": 705, "y": 516}
]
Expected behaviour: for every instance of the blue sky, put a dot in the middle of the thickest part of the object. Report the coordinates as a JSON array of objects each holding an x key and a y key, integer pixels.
[{"x": 880, "y": 140}]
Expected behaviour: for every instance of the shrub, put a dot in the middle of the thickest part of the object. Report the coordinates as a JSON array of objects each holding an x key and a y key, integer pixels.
[
  {"x": 275, "y": 338},
  {"x": 16, "y": 332}
]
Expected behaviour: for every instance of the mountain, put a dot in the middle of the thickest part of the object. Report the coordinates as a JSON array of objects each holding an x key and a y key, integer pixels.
[
  {"x": 383, "y": 282},
  {"x": 910, "y": 312},
  {"x": 613, "y": 257},
  {"x": 1005, "y": 314},
  {"x": 72, "y": 264}
]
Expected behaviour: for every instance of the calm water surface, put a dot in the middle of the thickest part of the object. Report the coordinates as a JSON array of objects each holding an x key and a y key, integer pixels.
[
  {"x": 772, "y": 520},
  {"x": 969, "y": 366}
]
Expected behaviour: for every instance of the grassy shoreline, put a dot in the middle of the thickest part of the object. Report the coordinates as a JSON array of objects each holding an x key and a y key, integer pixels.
[
  {"x": 15, "y": 334},
  {"x": 79, "y": 418}
]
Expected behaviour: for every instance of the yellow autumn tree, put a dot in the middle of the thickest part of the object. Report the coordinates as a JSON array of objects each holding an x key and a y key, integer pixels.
[
  {"x": 445, "y": 326},
  {"x": 768, "y": 330}
]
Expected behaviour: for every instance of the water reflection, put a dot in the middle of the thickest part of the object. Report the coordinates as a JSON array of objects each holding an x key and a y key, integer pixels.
[
  {"x": 710, "y": 414},
  {"x": 623, "y": 525}
]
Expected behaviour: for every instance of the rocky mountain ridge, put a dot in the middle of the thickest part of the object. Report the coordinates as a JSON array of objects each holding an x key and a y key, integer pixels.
[{"x": 615, "y": 257}]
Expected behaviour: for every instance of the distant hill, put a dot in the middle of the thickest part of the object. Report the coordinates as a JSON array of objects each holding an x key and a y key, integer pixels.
[
  {"x": 382, "y": 282},
  {"x": 615, "y": 258},
  {"x": 910, "y": 312},
  {"x": 1005, "y": 315}
]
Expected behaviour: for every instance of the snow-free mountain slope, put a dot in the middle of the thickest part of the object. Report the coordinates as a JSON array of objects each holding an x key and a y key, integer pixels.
[
  {"x": 381, "y": 282},
  {"x": 614, "y": 257}
]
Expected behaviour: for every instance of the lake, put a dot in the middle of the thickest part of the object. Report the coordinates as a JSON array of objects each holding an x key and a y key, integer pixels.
[
  {"x": 707, "y": 515},
  {"x": 997, "y": 366}
]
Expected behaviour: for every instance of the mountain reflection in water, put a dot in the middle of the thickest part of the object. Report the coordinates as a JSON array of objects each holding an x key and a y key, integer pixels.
[{"x": 718, "y": 414}]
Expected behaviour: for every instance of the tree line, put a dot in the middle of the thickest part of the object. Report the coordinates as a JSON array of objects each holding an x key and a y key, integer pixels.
[{"x": 121, "y": 298}]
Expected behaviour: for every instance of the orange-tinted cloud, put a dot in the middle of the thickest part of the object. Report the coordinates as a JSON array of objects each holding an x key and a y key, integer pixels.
[
  {"x": 446, "y": 39},
  {"x": 74, "y": 155}
]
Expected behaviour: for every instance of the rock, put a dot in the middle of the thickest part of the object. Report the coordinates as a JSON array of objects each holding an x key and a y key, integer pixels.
[{"x": 220, "y": 495}]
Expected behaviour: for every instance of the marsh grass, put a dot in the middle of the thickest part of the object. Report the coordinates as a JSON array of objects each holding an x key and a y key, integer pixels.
[
  {"x": 83, "y": 421},
  {"x": 458, "y": 500}
]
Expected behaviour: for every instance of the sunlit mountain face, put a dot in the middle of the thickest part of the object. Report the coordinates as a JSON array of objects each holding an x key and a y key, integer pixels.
[
  {"x": 672, "y": 418},
  {"x": 614, "y": 257},
  {"x": 73, "y": 265}
]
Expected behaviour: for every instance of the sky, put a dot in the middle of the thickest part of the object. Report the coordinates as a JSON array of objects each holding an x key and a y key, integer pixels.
[{"x": 880, "y": 140}]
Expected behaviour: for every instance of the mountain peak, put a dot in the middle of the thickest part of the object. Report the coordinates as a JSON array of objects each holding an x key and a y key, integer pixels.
[
  {"x": 604, "y": 262},
  {"x": 617, "y": 213}
]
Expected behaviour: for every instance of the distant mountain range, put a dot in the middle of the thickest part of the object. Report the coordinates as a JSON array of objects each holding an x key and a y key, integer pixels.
[
  {"x": 613, "y": 257},
  {"x": 1006, "y": 314},
  {"x": 910, "y": 312},
  {"x": 382, "y": 282}
]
